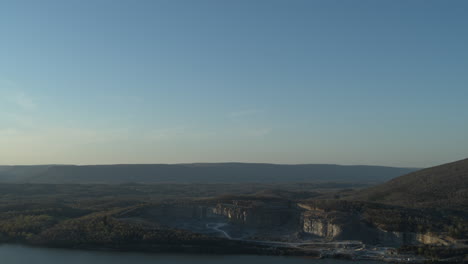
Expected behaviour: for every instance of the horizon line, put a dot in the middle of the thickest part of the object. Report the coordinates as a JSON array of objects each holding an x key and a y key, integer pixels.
[{"x": 208, "y": 163}]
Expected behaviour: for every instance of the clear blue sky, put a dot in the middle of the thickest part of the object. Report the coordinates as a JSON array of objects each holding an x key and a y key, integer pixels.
[{"x": 346, "y": 82}]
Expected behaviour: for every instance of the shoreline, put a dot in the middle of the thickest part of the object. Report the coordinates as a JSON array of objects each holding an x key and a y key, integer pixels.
[{"x": 256, "y": 250}]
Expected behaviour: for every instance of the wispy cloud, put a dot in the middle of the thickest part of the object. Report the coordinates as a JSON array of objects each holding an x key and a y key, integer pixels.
[
  {"x": 8, "y": 132},
  {"x": 163, "y": 134},
  {"x": 244, "y": 113},
  {"x": 17, "y": 108},
  {"x": 17, "y": 119},
  {"x": 13, "y": 93},
  {"x": 22, "y": 100},
  {"x": 258, "y": 132}
]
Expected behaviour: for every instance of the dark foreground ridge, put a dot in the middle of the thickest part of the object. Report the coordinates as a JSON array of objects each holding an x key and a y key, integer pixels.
[
  {"x": 197, "y": 173},
  {"x": 444, "y": 186}
]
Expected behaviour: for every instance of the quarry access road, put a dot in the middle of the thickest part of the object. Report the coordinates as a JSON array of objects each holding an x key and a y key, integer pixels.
[
  {"x": 216, "y": 226},
  {"x": 340, "y": 244}
]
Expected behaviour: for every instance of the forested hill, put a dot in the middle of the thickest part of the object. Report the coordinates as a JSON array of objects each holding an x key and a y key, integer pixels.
[
  {"x": 444, "y": 186},
  {"x": 198, "y": 173}
]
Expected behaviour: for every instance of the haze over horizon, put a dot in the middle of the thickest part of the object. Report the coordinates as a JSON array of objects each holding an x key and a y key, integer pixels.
[
  {"x": 195, "y": 163},
  {"x": 302, "y": 82}
]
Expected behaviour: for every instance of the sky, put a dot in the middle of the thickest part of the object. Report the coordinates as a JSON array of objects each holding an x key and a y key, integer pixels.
[{"x": 290, "y": 81}]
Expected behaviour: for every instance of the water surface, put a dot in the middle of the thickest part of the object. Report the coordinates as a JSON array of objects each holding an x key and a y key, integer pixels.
[{"x": 15, "y": 254}]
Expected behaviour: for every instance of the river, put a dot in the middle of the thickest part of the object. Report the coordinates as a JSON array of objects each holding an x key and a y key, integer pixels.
[{"x": 15, "y": 254}]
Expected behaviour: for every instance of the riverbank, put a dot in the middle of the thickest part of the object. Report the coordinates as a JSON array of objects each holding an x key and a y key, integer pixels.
[{"x": 15, "y": 254}]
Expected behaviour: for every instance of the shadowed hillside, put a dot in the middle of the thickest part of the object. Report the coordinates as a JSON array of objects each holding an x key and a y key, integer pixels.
[
  {"x": 444, "y": 186},
  {"x": 197, "y": 173}
]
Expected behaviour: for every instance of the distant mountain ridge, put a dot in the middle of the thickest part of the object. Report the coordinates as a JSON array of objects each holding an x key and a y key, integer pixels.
[
  {"x": 198, "y": 173},
  {"x": 443, "y": 186}
]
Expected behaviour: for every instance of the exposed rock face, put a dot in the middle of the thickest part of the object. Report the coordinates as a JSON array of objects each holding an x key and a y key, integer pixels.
[
  {"x": 234, "y": 213},
  {"x": 432, "y": 239},
  {"x": 258, "y": 213},
  {"x": 409, "y": 238},
  {"x": 317, "y": 223},
  {"x": 330, "y": 225},
  {"x": 334, "y": 225}
]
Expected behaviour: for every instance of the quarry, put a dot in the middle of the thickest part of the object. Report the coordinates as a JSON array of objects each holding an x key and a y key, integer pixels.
[{"x": 285, "y": 224}]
